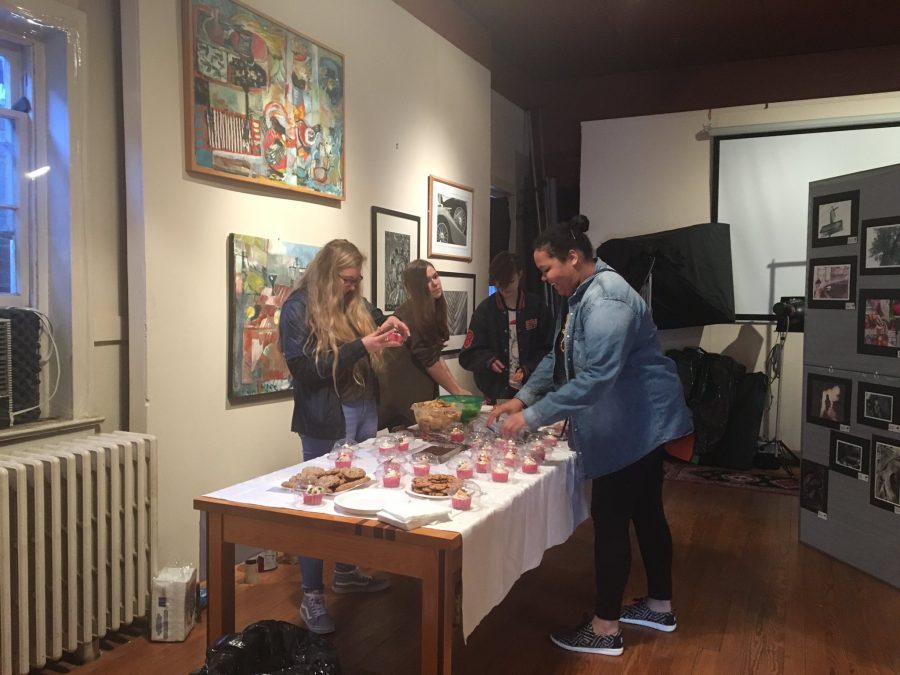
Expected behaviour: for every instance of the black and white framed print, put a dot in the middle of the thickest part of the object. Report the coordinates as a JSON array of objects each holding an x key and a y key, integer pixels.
[
  {"x": 878, "y": 322},
  {"x": 884, "y": 482},
  {"x": 450, "y": 219},
  {"x": 395, "y": 243},
  {"x": 879, "y": 249},
  {"x": 831, "y": 283},
  {"x": 849, "y": 455},
  {"x": 828, "y": 400},
  {"x": 878, "y": 406},
  {"x": 813, "y": 486},
  {"x": 835, "y": 219},
  {"x": 459, "y": 292}
]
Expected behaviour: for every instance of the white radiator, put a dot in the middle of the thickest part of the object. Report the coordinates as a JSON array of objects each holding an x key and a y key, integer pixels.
[{"x": 77, "y": 544}]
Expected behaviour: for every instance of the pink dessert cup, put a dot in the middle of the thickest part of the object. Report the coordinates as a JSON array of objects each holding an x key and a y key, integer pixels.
[
  {"x": 529, "y": 467},
  {"x": 343, "y": 463},
  {"x": 461, "y": 503},
  {"x": 392, "y": 481},
  {"x": 498, "y": 475},
  {"x": 421, "y": 469},
  {"x": 482, "y": 467},
  {"x": 313, "y": 499}
]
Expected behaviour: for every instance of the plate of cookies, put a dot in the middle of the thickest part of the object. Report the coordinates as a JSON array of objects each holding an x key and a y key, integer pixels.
[
  {"x": 331, "y": 480},
  {"x": 433, "y": 486}
]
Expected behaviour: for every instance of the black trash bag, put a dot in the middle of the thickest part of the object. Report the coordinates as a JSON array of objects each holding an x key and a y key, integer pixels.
[{"x": 271, "y": 648}]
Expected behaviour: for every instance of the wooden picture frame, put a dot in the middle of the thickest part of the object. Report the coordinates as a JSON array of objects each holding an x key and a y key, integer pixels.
[
  {"x": 261, "y": 275},
  {"x": 835, "y": 219},
  {"x": 450, "y": 219},
  {"x": 459, "y": 291},
  {"x": 831, "y": 283},
  {"x": 395, "y": 243},
  {"x": 263, "y": 103}
]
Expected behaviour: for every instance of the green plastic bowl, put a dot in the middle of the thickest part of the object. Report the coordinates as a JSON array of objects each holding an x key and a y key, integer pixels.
[{"x": 471, "y": 405}]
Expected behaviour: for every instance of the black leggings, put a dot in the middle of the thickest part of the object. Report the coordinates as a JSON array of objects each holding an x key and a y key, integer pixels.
[{"x": 630, "y": 494}]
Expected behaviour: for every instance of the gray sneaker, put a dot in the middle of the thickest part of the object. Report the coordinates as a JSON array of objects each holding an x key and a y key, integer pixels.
[
  {"x": 355, "y": 581},
  {"x": 314, "y": 614}
]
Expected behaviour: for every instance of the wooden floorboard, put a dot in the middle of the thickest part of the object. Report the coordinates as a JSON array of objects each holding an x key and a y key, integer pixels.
[{"x": 750, "y": 599}]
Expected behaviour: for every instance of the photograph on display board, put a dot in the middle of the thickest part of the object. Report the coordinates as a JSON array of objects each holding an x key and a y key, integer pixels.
[
  {"x": 395, "y": 243},
  {"x": 835, "y": 219},
  {"x": 813, "y": 486},
  {"x": 849, "y": 454},
  {"x": 879, "y": 251},
  {"x": 884, "y": 482},
  {"x": 877, "y": 405},
  {"x": 831, "y": 283},
  {"x": 878, "y": 322},
  {"x": 459, "y": 291},
  {"x": 828, "y": 400}
]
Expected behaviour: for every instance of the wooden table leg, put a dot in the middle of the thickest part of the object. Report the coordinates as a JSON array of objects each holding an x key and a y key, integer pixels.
[
  {"x": 438, "y": 592},
  {"x": 220, "y": 580}
]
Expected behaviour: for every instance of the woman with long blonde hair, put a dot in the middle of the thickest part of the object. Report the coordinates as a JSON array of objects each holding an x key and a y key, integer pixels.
[
  {"x": 419, "y": 367},
  {"x": 332, "y": 340}
]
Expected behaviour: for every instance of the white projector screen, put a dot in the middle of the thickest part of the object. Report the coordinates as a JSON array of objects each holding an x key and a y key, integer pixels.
[{"x": 763, "y": 193}]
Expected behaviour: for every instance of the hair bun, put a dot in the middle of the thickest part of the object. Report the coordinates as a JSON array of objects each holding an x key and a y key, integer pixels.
[{"x": 580, "y": 223}]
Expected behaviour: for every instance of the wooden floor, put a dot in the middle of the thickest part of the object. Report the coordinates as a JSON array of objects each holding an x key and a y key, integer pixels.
[{"x": 749, "y": 598}]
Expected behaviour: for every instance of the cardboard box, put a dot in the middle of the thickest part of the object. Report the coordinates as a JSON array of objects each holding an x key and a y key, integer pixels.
[{"x": 173, "y": 608}]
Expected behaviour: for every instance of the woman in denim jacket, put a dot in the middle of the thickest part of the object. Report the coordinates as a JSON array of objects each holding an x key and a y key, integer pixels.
[{"x": 608, "y": 375}]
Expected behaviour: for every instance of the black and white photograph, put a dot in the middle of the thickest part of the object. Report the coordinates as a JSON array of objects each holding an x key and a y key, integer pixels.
[
  {"x": 849, "y": 454},
  {"x": 878, "y": 322},
  {"x": 831, "y": 283},
  {"x": 879, "y": 251},
  {"x": 395, "y": 243},
  {"x": 449, "y": 219},
  {"x": 878, "y": 405},
  {"x": 837, "y": 218},
  {"x": 813, "y": 486},
  {"x": 828, "y": 400},
  {"x": 459, "y": 291},
  {"x": 884, "y": 483}
]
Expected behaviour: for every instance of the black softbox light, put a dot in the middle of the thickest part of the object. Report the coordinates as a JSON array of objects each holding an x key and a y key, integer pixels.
[{"x": 692, "y": 283}]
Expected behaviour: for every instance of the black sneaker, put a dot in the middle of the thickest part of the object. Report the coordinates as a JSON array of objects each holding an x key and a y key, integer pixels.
[
  {"x": 582, "y": 638},
  {"x": 641, "y": 615}
]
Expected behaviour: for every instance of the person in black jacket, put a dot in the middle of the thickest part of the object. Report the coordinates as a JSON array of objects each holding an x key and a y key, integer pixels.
[
  {"x": 509, "y": 334},
  {"x": 332, "y": 340}
]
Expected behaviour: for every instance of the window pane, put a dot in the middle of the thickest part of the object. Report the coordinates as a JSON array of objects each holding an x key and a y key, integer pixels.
[
  {"x": 7, "y": 162},
  {"x": 7, "y": 221},
  {"x": 4, "y": 82}
]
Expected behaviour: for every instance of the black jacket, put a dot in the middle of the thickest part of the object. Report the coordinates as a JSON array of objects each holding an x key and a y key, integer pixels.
[
  {"x": 488, "y": 338},
  {"x": 317, "y": 406}
]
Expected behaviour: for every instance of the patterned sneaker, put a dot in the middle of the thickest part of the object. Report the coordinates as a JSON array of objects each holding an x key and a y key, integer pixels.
[
  {"x": 314, "y": 614},
  {"x": 582, "y": 638},
  {"x": 355, "y": 581},
  {"x": 641, "y": 615}
]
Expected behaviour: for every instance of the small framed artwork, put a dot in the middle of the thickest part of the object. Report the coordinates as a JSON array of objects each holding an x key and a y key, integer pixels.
[
  {"x": 449, "y": 219},
  {"x": 849, "y": 455},
  {"x": 261, "y": 275},
  {"x": 831, "y": 283},
  {"x": 459, "y": 291},
  {"x": 828, "y": 400},
  {"x": 813, "y": 487},
  {"x": 879, "y": 251},
  {"x": 395, "y": 243},
  {"x": 835, "y": 219},
  {"x": 884, "y": 482},
  {"x": 878, "y": 406},
  {"x": 878, "y": 322}
]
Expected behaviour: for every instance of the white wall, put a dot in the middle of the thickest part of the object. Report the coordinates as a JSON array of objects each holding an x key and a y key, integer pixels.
[
  {"x": 646, "y": 174},
  {"x": 415, "y": 105},
  {"x": 509, "y": 149}
]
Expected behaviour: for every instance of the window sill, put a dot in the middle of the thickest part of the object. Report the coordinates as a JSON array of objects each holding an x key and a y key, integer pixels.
[{"x": 48, "y": 428}]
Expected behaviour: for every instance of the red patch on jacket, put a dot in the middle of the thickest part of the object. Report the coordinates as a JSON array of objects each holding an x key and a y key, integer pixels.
[
  {"x": 470, "y": 337},
  {"x": 530, "y": 324}
]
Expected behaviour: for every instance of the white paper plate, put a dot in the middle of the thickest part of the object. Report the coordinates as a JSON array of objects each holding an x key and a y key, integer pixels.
[
  {"x": 410, "y": 492},
  {"x": 365, "y": 502}
]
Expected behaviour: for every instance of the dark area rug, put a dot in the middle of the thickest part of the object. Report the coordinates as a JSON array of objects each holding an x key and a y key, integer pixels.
[{"x": 775, "y": 480}]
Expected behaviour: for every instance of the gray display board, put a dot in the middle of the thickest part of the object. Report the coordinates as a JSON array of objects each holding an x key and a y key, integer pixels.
[{"x": 850, "y": 473}]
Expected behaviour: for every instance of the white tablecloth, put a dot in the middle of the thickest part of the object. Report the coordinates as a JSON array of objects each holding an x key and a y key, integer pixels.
[{"x": 503, "y": 537}]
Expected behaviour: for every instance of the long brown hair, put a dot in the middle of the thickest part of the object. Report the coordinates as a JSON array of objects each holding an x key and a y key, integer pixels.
[
  {"x": 333, "y": 317},
  {"x": 428, "y": 317}
]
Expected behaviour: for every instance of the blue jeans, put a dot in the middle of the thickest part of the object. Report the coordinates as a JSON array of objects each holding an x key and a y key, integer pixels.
[{"x": 361, "y": 422}]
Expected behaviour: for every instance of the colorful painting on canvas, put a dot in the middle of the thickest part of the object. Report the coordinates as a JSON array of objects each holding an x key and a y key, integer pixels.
[
  {"x": 262, "y": 274},
  {"x": 264, "y": 104}
]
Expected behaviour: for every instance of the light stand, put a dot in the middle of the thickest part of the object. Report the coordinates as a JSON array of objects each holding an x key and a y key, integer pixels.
[{"x": 784, "y": 456}]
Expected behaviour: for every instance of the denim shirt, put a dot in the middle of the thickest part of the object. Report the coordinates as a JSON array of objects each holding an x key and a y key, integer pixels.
[{"x": 622, "y": 394}]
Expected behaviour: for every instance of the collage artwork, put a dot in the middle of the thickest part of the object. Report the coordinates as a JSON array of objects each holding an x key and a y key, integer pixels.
[{"x": 264, "y": 104}]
